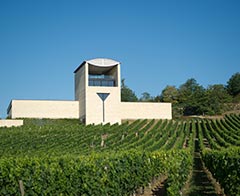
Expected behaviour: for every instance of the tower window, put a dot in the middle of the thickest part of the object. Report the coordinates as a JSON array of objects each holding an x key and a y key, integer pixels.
[{"x": 101, "y": 80}]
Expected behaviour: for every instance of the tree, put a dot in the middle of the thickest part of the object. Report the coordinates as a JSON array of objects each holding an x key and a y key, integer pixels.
[
  {"x": 158, "y": 98},
  {"x": 170, "y": 94},
  {"x": 146, "y": 97},
  {"x": 192, "y": 97},
  {"x": 127, "y": 94},
  {"x": 217, "y": 96},
  {"x": 233, "y": 85},
  {"x": 187, "y": 90}
]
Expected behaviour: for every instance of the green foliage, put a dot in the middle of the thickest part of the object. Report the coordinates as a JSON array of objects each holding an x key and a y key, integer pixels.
[
  {"x": 170, "y": 94},
  {"x": 48, "y": 156},
  {"x": 225, "y": 167},
  {"x": 127, "y": 95},
  {"x": 105, "y": 174},
  {"x": 236, "y": 99},
  {"x": 179, "y": 171},
  {"x": 219, "y": 144},
  {"x": 146, "y": 97},
  {"x": 216, "y": 96},
  {"x": 191, "y": 97},
  {"x": 233, "y": 84},
  {"x": 63, "y": 157}
]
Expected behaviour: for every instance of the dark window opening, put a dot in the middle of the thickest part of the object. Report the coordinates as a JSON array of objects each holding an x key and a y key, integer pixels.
[{"x": 101, "y": 80}]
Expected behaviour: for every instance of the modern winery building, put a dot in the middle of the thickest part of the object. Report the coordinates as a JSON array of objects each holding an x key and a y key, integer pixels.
[{"x": 97, "y": 99}]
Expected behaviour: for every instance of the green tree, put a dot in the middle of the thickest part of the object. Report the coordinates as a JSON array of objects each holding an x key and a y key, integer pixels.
[
  {"x": 192, "y": 97},
  {"x": 127, "y": 94},
  {"x": 233, "y": 84},
  {"x": 158, "y": 98},
  {"x": 217, "y": 96},
  {"x": 170, "y": 94},
  {"x": 146, "y": 97}
]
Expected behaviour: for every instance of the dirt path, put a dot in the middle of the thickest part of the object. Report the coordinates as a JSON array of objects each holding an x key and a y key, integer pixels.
[
  {"x": 157, "y": 188},
  {"x": 201, "y": 182}
]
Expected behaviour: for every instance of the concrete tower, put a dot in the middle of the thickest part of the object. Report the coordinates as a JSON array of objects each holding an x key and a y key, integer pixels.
[{"x": 98, "y": 90}]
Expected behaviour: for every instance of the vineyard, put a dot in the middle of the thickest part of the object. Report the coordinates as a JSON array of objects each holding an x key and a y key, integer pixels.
[{"x": 63, "y": 157}]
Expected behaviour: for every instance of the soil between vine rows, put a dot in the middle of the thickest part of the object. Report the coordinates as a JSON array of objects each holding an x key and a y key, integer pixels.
[{"x": 200, "y": 184}]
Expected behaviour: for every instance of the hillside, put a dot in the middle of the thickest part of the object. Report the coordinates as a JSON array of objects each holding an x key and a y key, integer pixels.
[
  {"x": 67, "y": 158},
  {"x": 61, "y": 137}
]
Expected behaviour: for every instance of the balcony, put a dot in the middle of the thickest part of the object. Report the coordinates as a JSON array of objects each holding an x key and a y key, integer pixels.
[{"x": 101, "y": 80}]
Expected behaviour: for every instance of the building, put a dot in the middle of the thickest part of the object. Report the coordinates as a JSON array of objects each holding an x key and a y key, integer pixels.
[{"x": 97, "y": 99}]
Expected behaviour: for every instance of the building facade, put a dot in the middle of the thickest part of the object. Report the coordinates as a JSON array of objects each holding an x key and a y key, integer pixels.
[
  {"x": 98, "y": 90},
  {"x": 97, "y": 99}
]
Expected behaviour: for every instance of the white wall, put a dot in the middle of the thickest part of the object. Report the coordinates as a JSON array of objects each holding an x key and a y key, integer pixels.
[
  {"x": 146, "y": 110},
  {"x": 11, "y": 123},
  {"x": 44, "y": 109},
  {"x": 81, "y": 80},
  {"x": 94, "y": 105}
]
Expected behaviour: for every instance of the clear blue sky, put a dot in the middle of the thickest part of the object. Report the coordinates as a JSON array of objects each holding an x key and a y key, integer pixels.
[{"x": 158, "y": 42}]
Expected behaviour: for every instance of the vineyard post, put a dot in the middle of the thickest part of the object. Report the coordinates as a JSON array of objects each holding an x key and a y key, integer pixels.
[{"x": 21, "y": 187}]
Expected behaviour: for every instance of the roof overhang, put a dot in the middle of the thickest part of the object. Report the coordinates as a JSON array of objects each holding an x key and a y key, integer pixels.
[{"x": 99, "y": 62}]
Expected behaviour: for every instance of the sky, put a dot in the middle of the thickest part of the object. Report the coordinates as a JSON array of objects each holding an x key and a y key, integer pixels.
[{"x": 158, "y": 42}]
